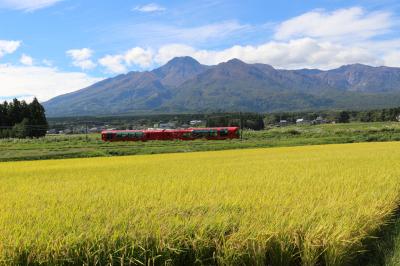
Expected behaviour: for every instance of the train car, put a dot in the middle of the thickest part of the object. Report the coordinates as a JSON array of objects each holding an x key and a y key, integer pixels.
[{"x": 212, "y": 133}]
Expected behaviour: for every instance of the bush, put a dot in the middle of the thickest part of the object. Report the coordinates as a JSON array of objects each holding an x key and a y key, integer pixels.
[{"x": 21, "y": 130}]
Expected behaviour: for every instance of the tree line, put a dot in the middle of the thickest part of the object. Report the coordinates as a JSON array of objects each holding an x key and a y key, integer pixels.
[
  {"x": 244, "y": 120},
  {"x": 377, "y": 115},
  {"x": 18, "y": 119}
]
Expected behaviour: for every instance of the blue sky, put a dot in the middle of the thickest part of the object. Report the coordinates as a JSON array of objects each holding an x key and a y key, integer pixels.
[{"x": 51, "y": 47}]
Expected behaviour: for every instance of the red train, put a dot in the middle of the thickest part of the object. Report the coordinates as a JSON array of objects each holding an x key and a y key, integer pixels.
[{"x": 211, "y": 133}]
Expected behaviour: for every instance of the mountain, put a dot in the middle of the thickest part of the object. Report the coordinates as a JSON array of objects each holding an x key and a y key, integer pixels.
[
  {"x": 178, "y": 70},
  {"x": 362, "y": 78},
  {"x": 185, "y": 85}
]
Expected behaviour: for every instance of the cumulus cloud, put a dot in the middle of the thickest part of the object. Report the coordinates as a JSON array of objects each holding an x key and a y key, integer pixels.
[
  {"x": 42, "y": 82},
  {"x": 316, "y": 39},
  {"x": 343, "y": 24},
  {"x": 392, "y": 58},
  {"x": 291, "y": 54},
  {"x": 299, "y": 53},
  {"x": 152, "y": 7},
  {"x": 27, "y": 5},
  {"x": 167, "y": 52},
  {"x": 81, "y": 58},
  {"x": 8, "y": 47},
  {"x": 26, "y": 60},
  {"x": 137, "y": 56},
  {"x": 113, "y": 63}
]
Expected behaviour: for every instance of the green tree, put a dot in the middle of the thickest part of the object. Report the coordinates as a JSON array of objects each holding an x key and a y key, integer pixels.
[
  {"x": 344, "y": 117},
  {"x": 21, "y": 130},
  {"x": 15, "y": 112},
  {"x": 21, "y": 120},
  {"x": 37, "y": 119}
]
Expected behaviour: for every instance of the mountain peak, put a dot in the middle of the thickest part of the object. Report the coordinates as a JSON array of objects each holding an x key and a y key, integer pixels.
[
  {"x": 182, "y": 60},
  {"x": 356, "y": 66},
  {"x": 178, "y": 70},
  {"x": 235, "y": 61}
]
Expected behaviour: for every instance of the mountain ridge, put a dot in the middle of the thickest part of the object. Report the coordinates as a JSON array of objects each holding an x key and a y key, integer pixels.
[{"x": 185, "y": 85}]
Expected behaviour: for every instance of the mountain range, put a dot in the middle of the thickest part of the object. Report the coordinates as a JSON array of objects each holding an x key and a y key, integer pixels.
[{"x": 185, "y": 85}]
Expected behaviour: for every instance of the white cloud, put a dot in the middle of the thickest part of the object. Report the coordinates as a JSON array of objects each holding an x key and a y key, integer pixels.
[
  {"x": 292, "y": 54},
  {"x": 8, "y": 47},
  {"x": 27, "y": 5},
  {"x": 81, "y": 58},
  {"x": 316, "y": 39},
  {"x": 26, "y": 60},
  {"x": 299, "y": 53},
  {"x": 143, "y": 58},
  {"x": 344, "y": 24},
  {"x": 47, "y": 62},
  {"x": 206, "y": 32},
  {"x": 113, "y": 63},
  {"x": 392, "y": 58},
  {"x": 26, "y": 98},
  {"x": 42, "y": 82},
  {"x": 152, "y": 7},
  {"x": 167, "y": 52},
  {"x": 139, "y": 56},
  {"x": 80, "y": 54},
  {"x": 157, "y": 34}
]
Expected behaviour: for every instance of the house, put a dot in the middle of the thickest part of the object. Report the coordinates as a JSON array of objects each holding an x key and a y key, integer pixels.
[
  {"x": 52, "y": 131},
  {"x": 283, "y": 122},
  {"x": 167, "y": 125},
  {"x": 301, "y": 121},
  {"x": 318, "y": 120},
  {"x": 195, "y": 122},
  {"x": 94, "y": 130},
  {"x": 65, "y": 131}
]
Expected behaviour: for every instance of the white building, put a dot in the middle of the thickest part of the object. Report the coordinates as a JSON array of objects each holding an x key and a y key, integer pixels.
[
  {"x": 165, "y": 125},
  {"x": 301, "y": 121},
  {"x": 283, "y": 122},
  {"x": 195, "y": 122}
]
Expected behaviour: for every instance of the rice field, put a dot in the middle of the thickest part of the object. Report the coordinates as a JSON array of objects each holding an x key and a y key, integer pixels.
[{"x": 311, "y": 205}]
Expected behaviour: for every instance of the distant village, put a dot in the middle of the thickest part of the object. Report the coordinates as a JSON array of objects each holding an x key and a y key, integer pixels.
[
  {"x": 97, "y": 127},
  {"x": 254, "y": 121},
  {"x": 93, "y": 128}
]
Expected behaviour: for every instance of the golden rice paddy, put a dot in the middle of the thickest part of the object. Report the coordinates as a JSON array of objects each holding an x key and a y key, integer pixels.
[{"x": 281, "y": 206}]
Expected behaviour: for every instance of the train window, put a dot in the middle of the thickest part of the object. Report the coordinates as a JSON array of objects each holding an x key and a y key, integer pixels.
[
  {"x": 223, "y": 132},
  {"x": 109, "y": 136},
  {"x": 122, "y": 135},
  {"x": 205, "y": 133},
  {"x": 136, "y": 135}
]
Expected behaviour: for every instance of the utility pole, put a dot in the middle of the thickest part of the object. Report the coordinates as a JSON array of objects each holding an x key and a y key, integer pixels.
[
  {"x": 241, "y": 125},
  {"x": 86, "y": 131}
]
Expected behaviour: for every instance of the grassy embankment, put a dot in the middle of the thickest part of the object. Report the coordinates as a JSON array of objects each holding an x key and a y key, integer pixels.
[
  {"x": 52, "y": 147},
  {"x": 282, "y": 206}
]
